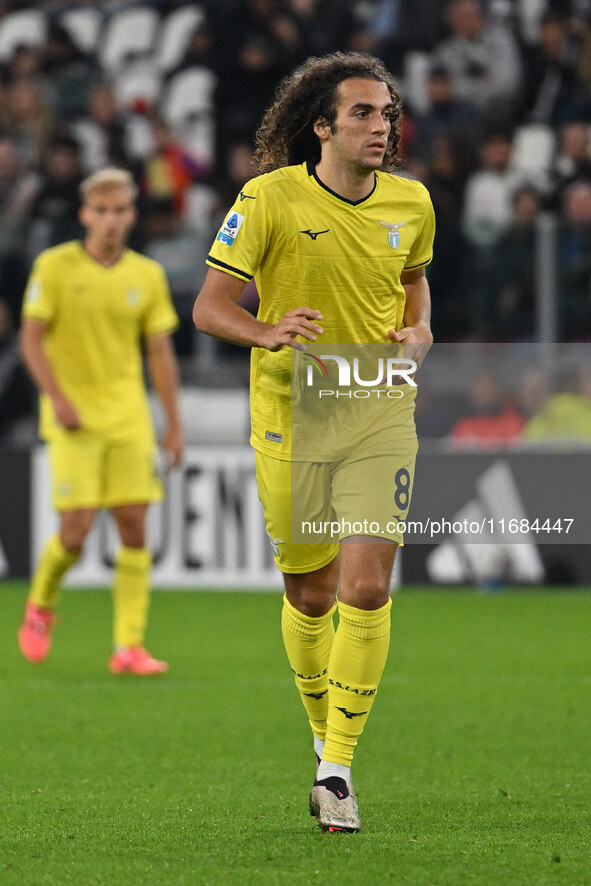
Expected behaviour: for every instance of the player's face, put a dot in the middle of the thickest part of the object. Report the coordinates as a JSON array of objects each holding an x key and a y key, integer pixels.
[
  {"x": 359, "y": 135},
  {"x": 108, "y": 216}
]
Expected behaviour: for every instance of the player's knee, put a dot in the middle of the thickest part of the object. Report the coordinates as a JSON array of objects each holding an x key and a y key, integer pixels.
[
  {"x": 366, "y": 591},
  {"x": 312, "y": 599},
  {"x": 132, "y": 533},
  {"x": 313, "y": 593},
  {"x": 131, "y": 522},
  {"x": 74, "y": 530}
]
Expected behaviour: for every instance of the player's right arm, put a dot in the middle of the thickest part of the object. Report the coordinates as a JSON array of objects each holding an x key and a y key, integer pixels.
[
  {"x": 32, "y": 335},
  {"x": 217, "y": 312}
]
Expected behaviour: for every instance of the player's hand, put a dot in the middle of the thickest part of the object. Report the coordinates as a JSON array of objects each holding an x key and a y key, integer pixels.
[
  {"x": 66, "y": 413},
  {"x": 172, "y": 446},
  {"x": 416, "y": 341},
  {"x": 300, "y": 321}
]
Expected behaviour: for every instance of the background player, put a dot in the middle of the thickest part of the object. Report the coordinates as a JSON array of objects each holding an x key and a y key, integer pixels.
[
  {"x": 338, "y": 247},
  {"x": 87, "y": 308}
]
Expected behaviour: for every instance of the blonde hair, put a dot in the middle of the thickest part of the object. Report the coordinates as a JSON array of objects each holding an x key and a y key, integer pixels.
[{"x": 106, "y": 180}]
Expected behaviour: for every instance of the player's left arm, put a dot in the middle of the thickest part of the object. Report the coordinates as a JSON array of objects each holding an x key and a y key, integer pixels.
[
  {"x": 417, "y": 309},
  {"x": 163, "y": 371},
  {"x": 417, "y": 316}
]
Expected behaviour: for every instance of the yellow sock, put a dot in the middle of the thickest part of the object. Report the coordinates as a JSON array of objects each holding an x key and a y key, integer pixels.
[
  {"x": 308, "y": 641},
  {"x": 357, "y": 660},
  {"x": 131, "y": 595},
  {"x": 54, "y": 561}
]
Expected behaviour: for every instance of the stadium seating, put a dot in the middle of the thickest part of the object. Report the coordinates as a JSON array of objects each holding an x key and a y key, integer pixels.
[
  {"x": 188, "y": 95},
  {"x": 26, "y": 27},
  {"x": 127, "y": 35},
  {"x": 84, "y": 26},
  {"x": 534, "y": 145},
  {"x": 175, "y": 33},
  {"x": 415, "y": 73},
  {"x": 139, "y": 80}
]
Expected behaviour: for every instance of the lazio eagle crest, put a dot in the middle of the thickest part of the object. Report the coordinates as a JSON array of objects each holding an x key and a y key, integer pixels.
[{"x": 393, "y": 233}]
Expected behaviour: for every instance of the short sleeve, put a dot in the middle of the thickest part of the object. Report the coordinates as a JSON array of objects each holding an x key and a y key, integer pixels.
[
  {"x": 243, "y": 239},
  {"x": 161, "y": 316},
  {"x": 421, "y": 252},
  {"x": 40, "y": 299}
]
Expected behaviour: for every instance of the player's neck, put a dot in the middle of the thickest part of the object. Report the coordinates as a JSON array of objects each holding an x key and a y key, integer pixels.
[
  {"x": 351, "y": 184},
  {"x": 105, "y": 254}
]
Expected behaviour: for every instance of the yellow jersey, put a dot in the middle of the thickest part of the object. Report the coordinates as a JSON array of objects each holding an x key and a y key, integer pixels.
[
  {"x": 307, "y": 246},
  {"x": 97, "y": 317}
]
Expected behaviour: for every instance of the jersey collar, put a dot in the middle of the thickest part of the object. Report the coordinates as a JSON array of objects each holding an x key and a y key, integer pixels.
[{"x": 311, "y": 167}]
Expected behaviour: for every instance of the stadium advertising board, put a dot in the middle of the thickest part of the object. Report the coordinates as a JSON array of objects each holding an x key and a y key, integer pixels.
[{"x": 474, "y": 517}]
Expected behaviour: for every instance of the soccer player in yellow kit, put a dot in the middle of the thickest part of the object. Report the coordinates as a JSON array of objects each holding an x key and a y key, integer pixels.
[
  {"x": 88, "y": 307},
  {"x": 338, "y": 246}
]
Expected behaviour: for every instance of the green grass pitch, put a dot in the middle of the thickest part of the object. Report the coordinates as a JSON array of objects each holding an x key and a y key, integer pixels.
[{"x": 474, "y": 767}]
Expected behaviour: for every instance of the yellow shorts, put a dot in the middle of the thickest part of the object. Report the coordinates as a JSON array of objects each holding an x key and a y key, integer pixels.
[
  {"x": 363, "y": 494},
  {"x": 92, "y": 472}
]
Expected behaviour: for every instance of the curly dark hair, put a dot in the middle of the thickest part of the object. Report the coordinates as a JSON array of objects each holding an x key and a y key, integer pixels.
[{"x": 286, "y": 135}]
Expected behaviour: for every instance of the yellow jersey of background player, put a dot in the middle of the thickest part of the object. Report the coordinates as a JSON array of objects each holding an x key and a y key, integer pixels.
[{"x": 96, "y": 317}]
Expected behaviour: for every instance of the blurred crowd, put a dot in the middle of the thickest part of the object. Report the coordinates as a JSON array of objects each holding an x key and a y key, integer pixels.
[
  {"x": 489, "y": 410},
  {"x": 497, "y": 98}
]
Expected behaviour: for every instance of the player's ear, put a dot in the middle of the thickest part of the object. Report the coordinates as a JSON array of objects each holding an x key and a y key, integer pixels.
[{"x": 322, "y": 128}]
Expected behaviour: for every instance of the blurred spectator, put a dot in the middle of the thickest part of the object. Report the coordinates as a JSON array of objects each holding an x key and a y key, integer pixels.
[
  {"x": 18, "y": 188},
  {"x": 71, "y": 73},
  {"x": 171, "y": 168},
  {"x": 258, "y": 42},
  {"x": 436, "y": 413},
  {"x": 482, "y": 58},
  {"x": 447, "y": 117},
  {"x": 55, "y": 210},
  {"x": 550, "y": 75},
  {"x": 450, "y": 273},
  {"x": 487, "y": 206},
  {"x": 5, "y": 118},
  {"x": 399, "y": 26},
  {"x": 325, "y": 25},
  {"x": 26, "y": 64},
  {"x": 17, "y": 395},
  {"x": 574, "y": 273},
  {"x": 182, "y": 250},
  {"x": 566, "y": 415},
  {"x": 574, "y": 157},
  {"x": 102, "y": 132},
  {"x": 200, "y": 50},
  {"x": 509, "y": 282},
  {"x": 238, "y": 169},
  {"x": 495, "y": 420},
  {"x": 534, "y": 390},
  {"x": 30, "y": 122}
]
